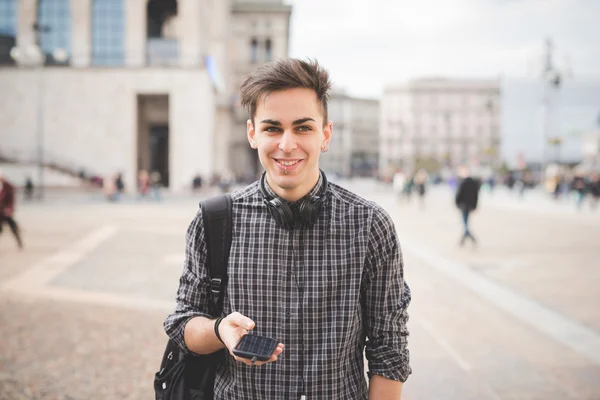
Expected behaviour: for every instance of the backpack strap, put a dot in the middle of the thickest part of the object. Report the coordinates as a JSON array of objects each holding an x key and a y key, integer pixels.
[{"x": 216, "y": 217}]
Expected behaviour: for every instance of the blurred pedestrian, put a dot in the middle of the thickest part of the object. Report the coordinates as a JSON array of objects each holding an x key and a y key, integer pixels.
[
  {"x": 197, "y": 182},
  {"x": 155, "y": 182},
  {"x": 119, "y": 185},
  {"x": 579, "y": 185},
  {"x": 28, "y": 188},
  {"x": 143, "y": 184},
  {"x": 226, "y": 181},
  {"x": 109, "y": 188},
  {"x": 420, "y": 182},
  {"x": 7, "y": 208},
  {"x": 408, "y": 187},
  {"x": 398, "y": 183},
  {"x": 466, "y": 199},
  {"x": 594, "y": 189}
]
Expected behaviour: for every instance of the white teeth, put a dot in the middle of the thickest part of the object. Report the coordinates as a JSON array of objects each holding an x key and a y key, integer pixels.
[{"x": 287, "y": 163}]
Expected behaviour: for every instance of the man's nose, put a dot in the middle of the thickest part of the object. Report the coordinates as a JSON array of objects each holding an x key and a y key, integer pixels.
[{"x": 288, "y": 142}]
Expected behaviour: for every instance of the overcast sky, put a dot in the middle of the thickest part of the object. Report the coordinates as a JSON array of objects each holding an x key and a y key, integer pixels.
[{"x": 367, "y": 44}]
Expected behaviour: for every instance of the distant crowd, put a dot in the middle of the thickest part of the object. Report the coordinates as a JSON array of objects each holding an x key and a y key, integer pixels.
[{"x": 581, "y": 186}]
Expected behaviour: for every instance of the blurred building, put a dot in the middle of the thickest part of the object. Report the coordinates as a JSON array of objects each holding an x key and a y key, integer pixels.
[
  {"x": 132, "y": 84},
  {"x": 561, "y": 121},
  {"x": 354, "y": 149},
  {"x": 434, "y": 123},
  {"x": 259, "y": 34}
]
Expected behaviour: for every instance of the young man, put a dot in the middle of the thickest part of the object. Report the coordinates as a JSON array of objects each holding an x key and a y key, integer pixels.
[
  {"x": 311, "y": 264},
  {"x": 466, "y": 199},
  {"x": 7, "y": 208}
]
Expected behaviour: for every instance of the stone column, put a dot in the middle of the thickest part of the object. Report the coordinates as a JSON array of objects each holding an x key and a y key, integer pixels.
[
  {"x": 193, "y": 31},
  {"x": 135, "y": 32},
  {"x": 26, "y": 17},
  {"x": 81, "y": 33}
]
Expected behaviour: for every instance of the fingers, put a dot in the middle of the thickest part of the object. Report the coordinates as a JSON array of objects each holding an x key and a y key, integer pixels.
[{"x": 241, "y": 320}]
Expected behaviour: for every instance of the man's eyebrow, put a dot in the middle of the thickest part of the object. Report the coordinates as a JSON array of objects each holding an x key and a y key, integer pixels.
[
  {"x": 277, "y": 123},
  {"x": 270, "y": 121},
  {"x": 302, "y": 120}
]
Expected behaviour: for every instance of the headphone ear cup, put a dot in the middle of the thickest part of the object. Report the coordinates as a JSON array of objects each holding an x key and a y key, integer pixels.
[
  {"x": 281, "y": 212},
  {"x": 305, "y": 212},
  {"x": 310, "y": 210}
]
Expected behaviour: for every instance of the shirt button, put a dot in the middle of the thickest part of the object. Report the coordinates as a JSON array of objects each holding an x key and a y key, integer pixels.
[
  {"x": 288, "y": 314},
  {"x": 289, "y": 272}
]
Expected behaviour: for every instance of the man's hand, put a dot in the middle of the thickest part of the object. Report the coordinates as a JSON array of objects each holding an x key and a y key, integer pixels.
[{"x": 233, "y": 327}]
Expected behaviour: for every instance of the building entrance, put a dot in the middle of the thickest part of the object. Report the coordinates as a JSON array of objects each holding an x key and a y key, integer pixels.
[{"x": 153, "y": 135}]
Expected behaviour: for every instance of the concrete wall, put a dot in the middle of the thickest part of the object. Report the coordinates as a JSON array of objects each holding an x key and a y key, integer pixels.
[{"x": 90, "y": 118}]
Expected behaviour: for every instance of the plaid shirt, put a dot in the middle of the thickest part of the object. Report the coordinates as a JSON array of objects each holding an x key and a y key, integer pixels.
[{"x": 321, "y": 291}]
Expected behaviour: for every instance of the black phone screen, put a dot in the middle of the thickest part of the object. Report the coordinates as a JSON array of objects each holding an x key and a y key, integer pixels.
[{"x": 251, "y": 346}]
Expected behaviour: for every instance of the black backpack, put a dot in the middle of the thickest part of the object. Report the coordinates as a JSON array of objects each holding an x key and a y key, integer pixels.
[{"x": 192, "y": 377}]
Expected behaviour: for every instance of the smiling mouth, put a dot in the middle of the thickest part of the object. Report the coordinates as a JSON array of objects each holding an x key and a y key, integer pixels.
[{"x": 286, "y": 163}]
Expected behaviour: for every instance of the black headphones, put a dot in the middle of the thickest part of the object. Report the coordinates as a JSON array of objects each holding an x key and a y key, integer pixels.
[{"x": 310, "y": 206}]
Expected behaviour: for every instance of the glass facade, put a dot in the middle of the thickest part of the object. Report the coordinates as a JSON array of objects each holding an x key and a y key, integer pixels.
[
  {"x": 268, "y": 51},
  {"x": 54, "y": 25},
  {"x": 8, "y": 18},
  {"x": 108, "y": 32},
  {"x": 8, "y": 29},
  {"x": 254, "y": 51}
]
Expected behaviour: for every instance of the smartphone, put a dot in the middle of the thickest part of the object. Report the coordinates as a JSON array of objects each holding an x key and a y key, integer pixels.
[{"x": 251, "y": 346}]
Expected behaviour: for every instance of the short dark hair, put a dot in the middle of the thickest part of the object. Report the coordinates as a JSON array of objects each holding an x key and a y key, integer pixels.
[{"x": 287, "y": 73}]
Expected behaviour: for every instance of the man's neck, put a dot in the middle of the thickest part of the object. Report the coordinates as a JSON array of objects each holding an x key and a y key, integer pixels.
[{"x": 298, "y": 192}]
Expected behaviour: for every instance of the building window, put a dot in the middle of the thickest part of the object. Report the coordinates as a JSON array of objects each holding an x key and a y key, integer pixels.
[
  {"x": 161, "y": 19},
  {"x": 108, "y": 32},
  {"x": 54, "y": 27},
  {"x": 8, "y": 29},
  {"x": 268, "y": 52},
  {"x": 8, "y": 18},
  {"x": 254, "y": 51}
]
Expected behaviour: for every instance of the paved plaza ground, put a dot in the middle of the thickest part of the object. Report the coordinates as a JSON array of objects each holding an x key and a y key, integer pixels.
[{"x": 81, "y": 308}]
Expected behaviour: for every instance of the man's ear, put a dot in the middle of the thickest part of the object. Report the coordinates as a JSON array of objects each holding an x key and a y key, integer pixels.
[
  {"x": 251, "y": 133},
  {"x": 327, "y": 133}
]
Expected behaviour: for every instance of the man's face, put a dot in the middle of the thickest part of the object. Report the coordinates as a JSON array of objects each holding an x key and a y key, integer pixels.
[{"x": 289, "y": 133}]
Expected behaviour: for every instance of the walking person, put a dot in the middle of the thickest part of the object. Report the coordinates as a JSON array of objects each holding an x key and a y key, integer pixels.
[
  {"x": 312, "y": 264},
  {"x": 143, "y": 184},
  {"x": 155, "y": 183},
  {"x": 466, "y": 199},
  {"x": 579, "y": 186},
  {"x": 594, "y": 189},
  {"x": 398, "y": 183},
  {"x": 7, "y": 209},
  {"x": 420, "y": 180}
]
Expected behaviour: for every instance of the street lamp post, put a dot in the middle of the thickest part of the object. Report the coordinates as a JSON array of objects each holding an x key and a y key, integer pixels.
[
  {"x": 552, "y": 79},
  {"x": 32, "y": 56}
]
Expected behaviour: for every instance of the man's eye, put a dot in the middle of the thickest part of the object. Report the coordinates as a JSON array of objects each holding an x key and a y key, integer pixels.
[
  {"x": 304, "y": 128},
  {"x": 272, "y": 129}
]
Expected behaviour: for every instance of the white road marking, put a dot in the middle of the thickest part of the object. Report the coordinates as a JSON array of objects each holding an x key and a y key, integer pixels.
[
  {"x": 566, "y": 331},
  {"x": 443, "y": 343},
  {"x": 49, "y": 268}
]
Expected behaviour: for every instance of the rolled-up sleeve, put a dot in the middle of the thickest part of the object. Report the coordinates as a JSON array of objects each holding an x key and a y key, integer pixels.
[
  {"x": 386, "y": 299},
  {"x": 193, "y": 294}
]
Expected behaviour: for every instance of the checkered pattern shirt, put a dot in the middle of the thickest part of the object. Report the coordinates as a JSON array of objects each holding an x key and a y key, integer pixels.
[{"x": 326, "y": 292}]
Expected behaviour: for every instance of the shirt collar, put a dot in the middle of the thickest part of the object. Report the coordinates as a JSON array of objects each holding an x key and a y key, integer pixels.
[{"x": 313, "y": 192}]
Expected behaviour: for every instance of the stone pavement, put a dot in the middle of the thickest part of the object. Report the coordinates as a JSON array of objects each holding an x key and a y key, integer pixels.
[{"x": 81, "y": 308}]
